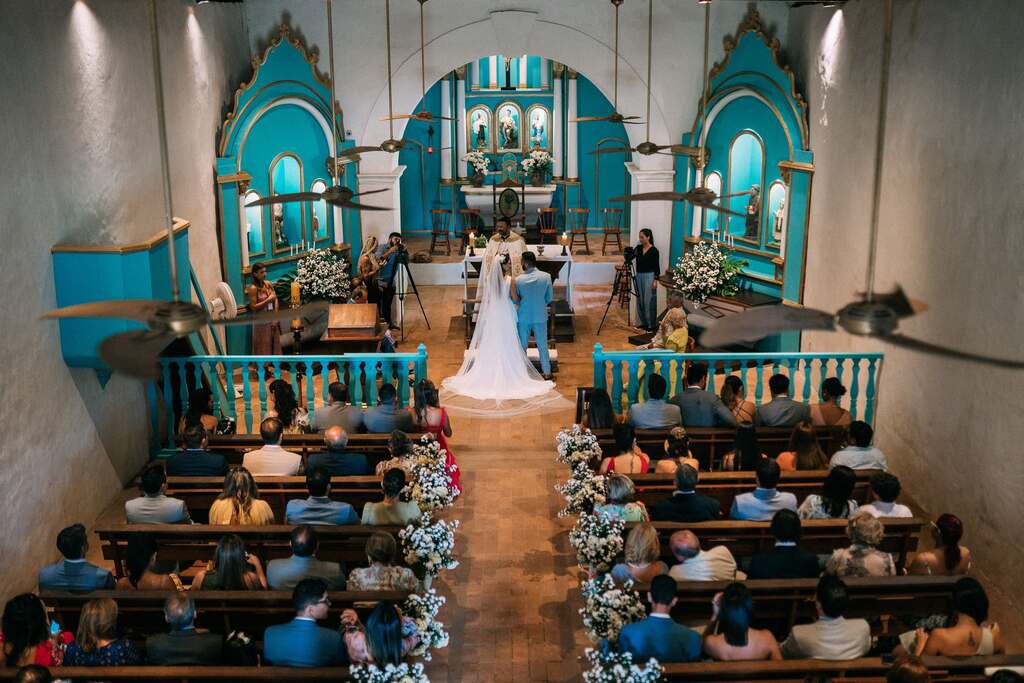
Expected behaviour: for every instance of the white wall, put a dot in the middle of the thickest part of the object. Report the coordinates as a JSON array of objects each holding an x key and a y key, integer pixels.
[
  {"x": 81, "y": 166},
  {"x": 951, "y": 234}
]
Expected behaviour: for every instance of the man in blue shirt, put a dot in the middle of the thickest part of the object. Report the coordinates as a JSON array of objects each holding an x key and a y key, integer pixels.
[
  {"x": 319, "y": 508},
  {"x": 74, "y": 573},
  {"x": 658, "y": 635},
  {"x": 387, "y": 254},
  {"x": 301, "y": 642},
  {"x": 762, "y": 503},
  {"x": 655, "y": 413},
  {"x": 387, "y": 416},
  {"x": 861, "y": 455}
]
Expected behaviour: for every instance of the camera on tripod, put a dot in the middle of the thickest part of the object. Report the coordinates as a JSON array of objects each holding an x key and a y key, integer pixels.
[{"x": 628, "y": 254}]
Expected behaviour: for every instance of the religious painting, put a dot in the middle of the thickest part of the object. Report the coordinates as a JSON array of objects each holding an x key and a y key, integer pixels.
[
  {"x": 539, "y": 119},
  {"x": 712, "y": 219},
  {"x": 509, "y": 125},
  {"x": 778, "y": 210},
  {"x": 745, "y": 185},
  {"x": 287, "y": 219},
  {"x": 478, "y": 128}
]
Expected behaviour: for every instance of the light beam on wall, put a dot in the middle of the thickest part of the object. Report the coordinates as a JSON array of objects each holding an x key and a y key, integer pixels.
[
  {"x": 828, "y": 58},
  {"x": 197, "y": 51}
]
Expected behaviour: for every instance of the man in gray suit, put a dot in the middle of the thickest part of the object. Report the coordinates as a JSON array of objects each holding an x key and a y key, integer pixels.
[
  {"x": 832, "y": 636},
  {"x": 73, "y": 573},
  {"x": 285, "y": 573},
  {"x": 655, "y": 413},
  {"x": 387, "y": 417},
  {"x": 533, "y": 293},
  {"x": 700, "y": 407},
  {"x": 338, "y": 413},
  {"x": 781, "y": 411},
  {"x": 153, "y": 507}
]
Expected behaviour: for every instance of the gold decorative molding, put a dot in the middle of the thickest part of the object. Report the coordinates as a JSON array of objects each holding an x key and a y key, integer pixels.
[
  {"x": 179, "y": 225},
  {"x": 240, "y": 177},
  {"x": 557, "y": 68},
  {"x": 461, "y": 72},
  {"x": 787, "y": 167},
  {"x": 570, "y": 73}
]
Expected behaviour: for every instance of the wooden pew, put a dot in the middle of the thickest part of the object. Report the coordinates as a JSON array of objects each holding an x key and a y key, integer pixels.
[
  {"x": 820, "y": 536},
  {"x": 234, "y": 446},
  {"x": 185, "y": 674},
  {"x": 140, "y": 613},
  {"x": 186, "y": 544}
]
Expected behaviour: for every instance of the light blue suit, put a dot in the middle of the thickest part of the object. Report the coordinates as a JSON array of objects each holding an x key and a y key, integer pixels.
[
  {"x": 535, "y": 293},
  {"x": 661, "y": 638},
  {"x": 302, "y": 643}
]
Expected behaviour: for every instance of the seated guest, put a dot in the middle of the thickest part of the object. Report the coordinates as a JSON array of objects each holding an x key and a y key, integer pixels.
[
  {"x": 195, "y": 460},
  {"x": 630, "y": 459},
  {"x": 834, "y": 501},
  {"x": 73, "y": 573},
  {"x": 233, "y": 569},
  {"x": 862, "y": 558},
  {"x": 763, "y": 502},
  {"x": 804, "y": 450},
  {"x": 686, "y": 505},
  {"x": 948, "y": 557},
  {"x": 828, "y": 413},
  {"x": 153, "y": 507},
  {"x": 729, "y": 636},
  {"x": 382, "y": 574},
  {"x": 658, "y": 635},
  {"x": 885, "y": 489},
  {"x": 600, "y": 414},
  {"x": 184, "y": 644},
  {"x": 392, "y": 510},
  {"x": 387, "y": 638},
  {"x": 655, "y": 413},
  {"x": 387, "y": 416},
  {"x": 734, "y": 396},
  {"x": 781, "y": 411},
  {"x": 399, "y": 448},
  {"x": 319, "y": 508},
  {"x": 677, "y": 452},
  {"x": 786, "y": 560},
  {"x": 672, "y": 332},
  {"x": 200, "y": 411},
  {"x": 832, "y": 636},
  {"x": 239, "y": 503},
  {"x": 698, "y": 406},
  {"x": 337, "y": 459},
  {"x": 144, "y": 572},
  {"x": 34, "y": 673},
  {"x": 861, "y": 455},
  {"x": 338, "y": 412},
  {"x": 642, "y": 551},
  {"x": 746, "y": 452},
  {"x": 25, "y": 634},
  {"x": 909, "y": 670},
  {"x": 695, "y": 564},
  {"x": 286, "y": 572},
  {"x": 286, "y": 408},
  {"x": 96, "y": 642},
  {"x": 301, "y": 642},
  {"x": 968, "y": 633},
  {"x": 271, "y": 459},
  {"x": 620, "y": 500}
]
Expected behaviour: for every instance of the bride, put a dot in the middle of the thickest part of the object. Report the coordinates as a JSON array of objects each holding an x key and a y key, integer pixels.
[{"x": 496, "y": 378}]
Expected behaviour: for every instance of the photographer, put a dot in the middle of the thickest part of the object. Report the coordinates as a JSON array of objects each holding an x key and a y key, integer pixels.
[
  {"x": 648, "y": 268},
  {"x": 387, "y": 255}
]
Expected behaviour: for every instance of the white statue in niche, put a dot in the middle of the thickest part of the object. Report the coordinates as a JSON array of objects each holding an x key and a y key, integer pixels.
[{"x": 777, "y": 219}]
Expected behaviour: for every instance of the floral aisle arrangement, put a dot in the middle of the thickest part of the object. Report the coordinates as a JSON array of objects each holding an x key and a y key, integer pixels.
[
  {"x": 431, "y": 483},
  {"x": 577, "y": 445},
  {"x": 706, "y": 270},
  {"x": 597, "y": 540},
  {"x": 423, "y": 609},
  {"x": 582, "y": 491},
  {"x": 401, "y": 673},
  {"x": 608, "y": 607},
  {"x": 430, "y": 545},
  {"x": 616, "y": 667},
  {"x": 321, "y": 274}
]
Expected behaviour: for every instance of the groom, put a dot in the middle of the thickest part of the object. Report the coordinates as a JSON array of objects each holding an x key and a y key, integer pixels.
[{"x": 532, "y": 292}]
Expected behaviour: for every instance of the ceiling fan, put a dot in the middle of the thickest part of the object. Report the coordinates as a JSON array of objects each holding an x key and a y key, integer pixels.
[
  {"x": 421, "y": 115},
  {"x": 698, "y": 196},
  {"x": 615, "y": 116},
  {"x": 872, "y": 315},
  {"x": 135, "y": 353},
  {"x": 647, "y": 147}
]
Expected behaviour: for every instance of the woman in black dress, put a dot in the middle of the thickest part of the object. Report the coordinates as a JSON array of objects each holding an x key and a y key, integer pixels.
[{"x": 648, "y": 268}]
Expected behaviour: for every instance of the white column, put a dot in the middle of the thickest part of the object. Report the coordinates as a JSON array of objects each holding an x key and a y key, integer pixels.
[
  {"x": 460, "y": 124},
  {"x": 446, "y": 128},
  {"x": 543, "y": 72},
  {"x": 492, "y": 70},
  {"x": 523, "y": 74},
  {"x": 556, "y": 123},
  {"x": 381, "y": 223},
  {"x": 656, "y": 216},
  {"x": 571, "y": 153}
]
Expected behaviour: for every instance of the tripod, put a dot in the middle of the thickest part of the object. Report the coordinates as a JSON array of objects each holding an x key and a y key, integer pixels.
[
  {"x": 623, "y": 288},
  {"x": 402, "y": 264}
]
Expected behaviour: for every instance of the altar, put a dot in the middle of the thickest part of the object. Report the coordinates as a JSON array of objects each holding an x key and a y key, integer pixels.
[{"x": 484, "y": 198}]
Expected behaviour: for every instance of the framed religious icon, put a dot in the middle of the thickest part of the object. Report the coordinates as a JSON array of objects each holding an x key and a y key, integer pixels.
[
  {"x": 478, "y": 128},
  {"x": 508, "y": 119},
  {"x": 539, "y": 120}
]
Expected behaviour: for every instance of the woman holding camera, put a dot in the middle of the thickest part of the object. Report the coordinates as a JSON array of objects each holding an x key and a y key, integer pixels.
[{"x": 648, "y": 268}]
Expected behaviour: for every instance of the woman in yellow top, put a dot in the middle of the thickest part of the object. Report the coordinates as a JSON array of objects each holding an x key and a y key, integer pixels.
[
  {"x": 240, "y": 502},
  {"x": 673, "y": 331}
]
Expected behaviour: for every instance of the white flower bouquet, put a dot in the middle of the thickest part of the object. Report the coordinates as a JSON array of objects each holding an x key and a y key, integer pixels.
[
  {"x": 706, "y": 270},
  {"x": 582, "y": 491},
  {"x": 538, "y": 161},
  {"x": 597, "y": 540},
  {"x": 609, "y": 607},
  {"x": 423, "y": 609},
  {"x": 430, "y": 545},
  {"x": 478, "y": 160},
  {"x": 321, "y": 274},
  {"x": 431, "y": 482},
  {"x": 401, "y": 673},
  {"x": 577, "y": 445},
  {"x": 618, "y": 667}
]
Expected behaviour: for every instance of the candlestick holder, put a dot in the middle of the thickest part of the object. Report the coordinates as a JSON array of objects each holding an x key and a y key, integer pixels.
[
  {"x": 564, "y": 252},
  {"x": 472, "y": 251}
]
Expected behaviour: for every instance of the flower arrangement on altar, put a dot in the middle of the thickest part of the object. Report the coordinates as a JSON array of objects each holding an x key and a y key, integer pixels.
[
  {"x": 597, "y": 540},
  {"x": 537, "y": 161},
  {"x": 478, "y": 160},
  {"x": 608, "y": 607},
  {"x": 618, "y": 667},
  {"x": 577, "y": 445},
  {"x": 423, "y": 609},
  {"x": 322, "y": 274},
  {"x": 401, "y": 673},
  {"x": 582, "y": 491},
  {"x": 430, "y": 545},
  {"x": 706, "y": 270}
]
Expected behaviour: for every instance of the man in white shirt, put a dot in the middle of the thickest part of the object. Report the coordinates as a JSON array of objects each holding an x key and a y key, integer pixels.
[
  {"x": 761, "y": 504},
  {"x": 885, "y": 489},
  {"x": 272, "y": 460},
  {"x": 861, "y": 455},
  {"x": 716, "y": 564},
  {"x": 832, "y": 636}
]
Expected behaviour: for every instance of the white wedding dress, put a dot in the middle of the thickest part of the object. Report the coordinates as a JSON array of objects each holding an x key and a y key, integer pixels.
[{"x": 496, "y": 379}]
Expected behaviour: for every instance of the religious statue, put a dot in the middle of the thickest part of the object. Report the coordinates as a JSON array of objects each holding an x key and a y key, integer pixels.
[
  {"x": 277, "y": 215},
  {"x": 538, "y": 128},
  {"x": 777, "y": 219},
  {"x": 753, "y": 212},
  {"x": 508, "y": 127},
  {"x": 479, "y": 123}
]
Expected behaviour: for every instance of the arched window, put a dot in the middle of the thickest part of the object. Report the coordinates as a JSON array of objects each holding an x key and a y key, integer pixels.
[
  {"x": 287, "y": 220},
  {"x": 712, "y": 222},
  {"x": 319, "y": 226},
  {"x": 746, "y": 175},
  {"x": 254, "y": 225}
]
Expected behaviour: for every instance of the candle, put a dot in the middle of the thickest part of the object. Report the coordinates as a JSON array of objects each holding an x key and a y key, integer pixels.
[
  {"x": 565, "y": 238},
  {"x": 296, "y": 301}
]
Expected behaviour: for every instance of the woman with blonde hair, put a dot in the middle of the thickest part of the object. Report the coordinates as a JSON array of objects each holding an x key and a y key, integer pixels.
[
  {"x": 96, "y": 642},
  {"x": 368, "y": 267},
  {"x": 621, "y": 503},
  {"x": 239, "y": 503},
  {"x": 804, "y": 450},
  {"x": 382, "y": 574},
  {"x": 643, "y": 553},
  {"x": 862, "y": 558}
]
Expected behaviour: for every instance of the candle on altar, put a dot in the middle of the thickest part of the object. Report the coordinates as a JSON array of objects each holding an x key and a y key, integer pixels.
[
  {"x": 472, "y": 244},
  {"x": 296, "y": 302}
]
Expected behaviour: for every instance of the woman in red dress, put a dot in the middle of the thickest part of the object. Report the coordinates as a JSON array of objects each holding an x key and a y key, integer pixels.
[{"x": 431, "y": 417}]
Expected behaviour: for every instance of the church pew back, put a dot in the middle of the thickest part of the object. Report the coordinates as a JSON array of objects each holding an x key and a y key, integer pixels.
[
  {"x": 234, "y": 446},
  {"x": 183, "y": 674}
]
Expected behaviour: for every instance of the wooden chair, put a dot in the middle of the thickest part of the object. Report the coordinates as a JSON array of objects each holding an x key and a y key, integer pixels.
[
  {"x": 548, "y": 222},
  {"x": 611, "y": 223},
  {"x": 440, "y": 221},
  {"x": 578, "y": 219},
  {"x": 469, "y": 222}
]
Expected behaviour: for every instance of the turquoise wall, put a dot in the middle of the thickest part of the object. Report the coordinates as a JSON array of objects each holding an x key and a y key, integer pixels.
[
  {"x": 417, "y": 199},
  {"x": 614, "y": 179}
]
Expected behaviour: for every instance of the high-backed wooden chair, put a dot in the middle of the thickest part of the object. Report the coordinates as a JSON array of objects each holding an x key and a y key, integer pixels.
[
  {"x": 548, "y": 221},
  {"x": 578, "y": 219},
  {"x": 611, "y": 223},
  {"x": 469, "y": 222},
  {"x": 440, "y": 221}
]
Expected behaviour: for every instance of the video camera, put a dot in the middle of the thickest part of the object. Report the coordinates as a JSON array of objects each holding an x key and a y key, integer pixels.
[{"x": 628, "y": 254}]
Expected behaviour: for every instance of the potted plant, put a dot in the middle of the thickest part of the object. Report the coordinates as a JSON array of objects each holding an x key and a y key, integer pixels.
[
  {"x": 478, "y": 160},
  {"x": 537, "y": 165}
]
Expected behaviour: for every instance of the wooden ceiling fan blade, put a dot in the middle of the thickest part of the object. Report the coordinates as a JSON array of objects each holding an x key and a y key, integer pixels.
[
  {"x": 588, "y": 119},
  {"x": 396, "y": 117},
  {"x": 261, "y": 317},
  {"x": 760, "y": 321},
  {"x": 135, "y": 353},
  {"x": 613, "y": 150},
  {"x": 286, "y": 198},
  {"x": 935, "y": 350},
  {"x": 364, "y": 207},
  {"x": 143, "y": 310},
  {"x": 719, "y": 209},
  {"x": 360, "y": 194},
  {"x": 650, "y": 196},
  {"x": 353, "y": 151},
  {"x": 685, "y": 150}
]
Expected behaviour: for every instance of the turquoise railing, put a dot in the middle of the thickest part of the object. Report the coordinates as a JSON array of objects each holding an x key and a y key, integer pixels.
[
  {"x": 620, "y": 373},
  {"x": 246, "y": 378}
]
